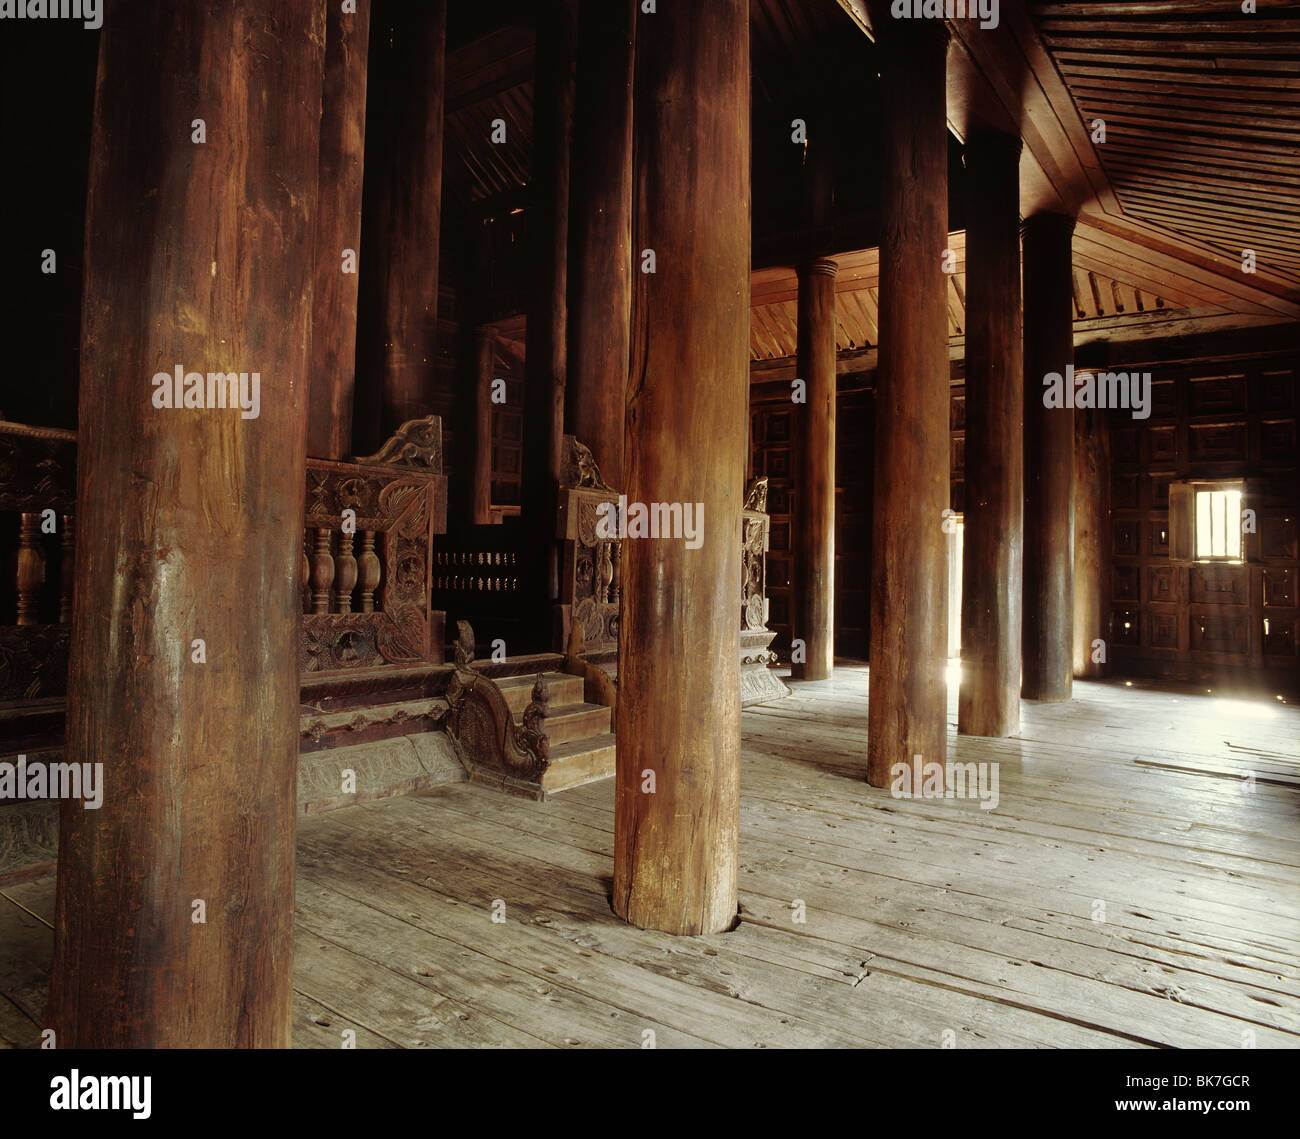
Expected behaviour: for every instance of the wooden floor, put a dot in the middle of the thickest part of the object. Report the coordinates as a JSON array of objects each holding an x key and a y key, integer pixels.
[{"x": 927, "y": 922}]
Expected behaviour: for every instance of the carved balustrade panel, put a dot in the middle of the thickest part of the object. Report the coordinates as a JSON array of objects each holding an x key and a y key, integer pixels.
[{"x": 368, "y": 558}]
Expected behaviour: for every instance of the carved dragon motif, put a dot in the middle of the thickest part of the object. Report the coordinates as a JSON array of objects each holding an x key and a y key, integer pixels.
[
  {"x": 580, "y": 469},
  {"x": 417, "y": 443}
]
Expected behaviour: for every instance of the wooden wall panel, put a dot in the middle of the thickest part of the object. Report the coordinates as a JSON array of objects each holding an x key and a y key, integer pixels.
[{"x": 1228, "y": 419}]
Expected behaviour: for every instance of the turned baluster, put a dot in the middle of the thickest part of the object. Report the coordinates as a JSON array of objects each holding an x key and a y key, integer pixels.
[
  {"x": 345, "y": 574},
  {"x": 68, "y": 553},
  {"x": 322, "y": 572},
  {"x": 31, "y": 567},
  {"x": 369, "y": 571}
]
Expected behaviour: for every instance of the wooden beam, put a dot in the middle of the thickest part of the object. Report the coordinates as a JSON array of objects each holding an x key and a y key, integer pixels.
[
  {"x": 675, "y": 840},
  {"x": 174, "y": 918}
]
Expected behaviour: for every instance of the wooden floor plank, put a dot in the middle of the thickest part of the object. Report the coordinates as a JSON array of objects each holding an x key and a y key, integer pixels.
[{"x": 926, "y": 922}]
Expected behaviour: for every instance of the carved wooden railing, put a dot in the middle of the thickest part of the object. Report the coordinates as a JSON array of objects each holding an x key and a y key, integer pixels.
[
  {"x": 480, "y": 576},
  {"x": 367, "y": 566},
  {"x": 476, "y": 570},
  {"x": 367, "y": 557},
  {"x": 38, "y": 490}
]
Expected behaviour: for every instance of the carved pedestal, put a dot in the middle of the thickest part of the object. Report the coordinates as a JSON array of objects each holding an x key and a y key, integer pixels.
[
  {"x": 589, "y": 575},
  {"x": 758, "y": 683}
]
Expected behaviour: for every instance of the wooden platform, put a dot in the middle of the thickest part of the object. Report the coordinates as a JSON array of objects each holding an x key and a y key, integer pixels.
[{"x": 923, "y": 918}]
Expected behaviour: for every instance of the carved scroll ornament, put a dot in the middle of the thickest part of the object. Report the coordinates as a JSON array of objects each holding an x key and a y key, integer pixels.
[{"x": 494, "y": 749}]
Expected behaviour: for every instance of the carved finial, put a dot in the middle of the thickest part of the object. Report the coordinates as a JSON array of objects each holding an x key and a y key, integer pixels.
[
  {"x": 541, "y": 693},
  {"x": 464, "y": 647},
  {"x": 538, "y": 707},
  {"x": 417, "y": 443},
  {"x": 580, "y": 468},
  {"x": 575, "y": 639},
  {"x": 756, "y": 499}
]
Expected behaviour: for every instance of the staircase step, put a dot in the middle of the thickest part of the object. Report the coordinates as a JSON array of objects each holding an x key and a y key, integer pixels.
[
  {"x": 518, "y": 690},
  {"x": 571, "y": 722},
  {"x": 580, "y": 761}
]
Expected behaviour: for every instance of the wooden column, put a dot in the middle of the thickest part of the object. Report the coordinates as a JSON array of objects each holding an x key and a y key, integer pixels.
[
  {"x": 174, "y": 916},
  {"x": 907, "y": 704},
  {"x": 545, "y": 354},
  {"x": 992, "y": 560},
  {"x": 1092, "y": 553},
  {"x": 484, "y": 354},
  {"x": 815, "y": 512},
  {"x": 397, "y": 335},
  {"x": 338, "y": 228},
  {"x": 1047, "y": 659},
  {"x": 600, "y": 261},
  {"x": 679, "y": 679}
]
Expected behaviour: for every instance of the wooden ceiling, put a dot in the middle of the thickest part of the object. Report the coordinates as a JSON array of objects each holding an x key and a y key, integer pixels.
[
  {"x": 1202, "y": 111},
  {"x": 1201, "y": 105},
  {"x": 1162, "y": 198},
  {"x": 796, "y": 46},
  {"x": 489, "y": 78},
  {"x": 1102, "y": 300}
]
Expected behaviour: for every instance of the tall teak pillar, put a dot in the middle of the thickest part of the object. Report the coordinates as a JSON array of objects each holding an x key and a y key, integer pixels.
[
  {"x": 907, "y": 703},
  {"x": 398, "y": 309},
  {"x": 174, "y": 916},
  {"x": 815, "y": 512},
  {"x": 992, "y": 557},
  {"x": 545, "y": 356},
  {"x": 338, "y": 233},
  {"x": 1091, "y": 543},
  {"x": 678, "y": 781},
  {"x": 1047, "y": 658},
  {"x": 600, "y": 233}
]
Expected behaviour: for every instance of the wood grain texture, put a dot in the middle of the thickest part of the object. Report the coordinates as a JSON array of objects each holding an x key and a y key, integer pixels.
[
  {"x": 922, "y": 915},
  {"x": 481, "y": 479},
  {"x": 398, "y": 306},
  {"x": 1092, "y": 541},
  {"x": 909, "y": 558},
  {"x": 601, "y": 254},
  {"x": 1047, "y": 655},
  {"x": 992, "y": 559},
  {"x": 545, "y": 362},
  {"x": 190, "y": 526},
  {"x": 815, "y": 549},
  {"x": 338, "y": 227},
  {"x": 679, "y": 682}
]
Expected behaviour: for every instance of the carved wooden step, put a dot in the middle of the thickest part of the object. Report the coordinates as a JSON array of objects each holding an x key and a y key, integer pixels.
[
  {"x": 575, "y": 722},
  {"x": 563, "y": 689},
  {"x": 580, "y": 761}
]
